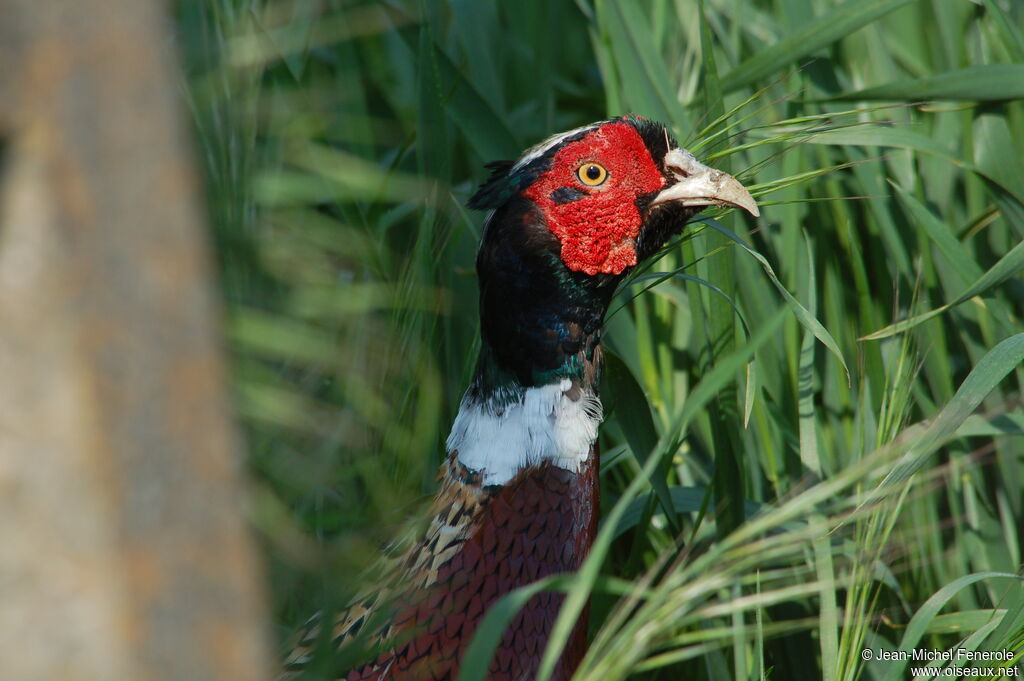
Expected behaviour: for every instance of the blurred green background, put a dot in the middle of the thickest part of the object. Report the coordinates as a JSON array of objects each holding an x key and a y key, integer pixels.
[{"x": 884, "y": 140}]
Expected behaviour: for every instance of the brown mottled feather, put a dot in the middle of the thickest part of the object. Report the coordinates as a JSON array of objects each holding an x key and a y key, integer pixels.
[{"x": 482, "y": 543}]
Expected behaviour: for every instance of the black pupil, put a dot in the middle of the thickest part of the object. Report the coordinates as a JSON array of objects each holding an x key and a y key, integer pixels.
[{"x": 593, "y": 172}]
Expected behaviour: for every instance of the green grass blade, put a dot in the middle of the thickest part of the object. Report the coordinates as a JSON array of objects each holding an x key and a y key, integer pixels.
[
  {"x": 809, "y": 38},
  {"x": 805, "y": 385},
  {"x": 490, "y": 136},
  {"x": 644, "y": 79},
  {"x": 685, "y": 499},
  {"x": 992, "y": 368},
  {"x": 634, "y": 415},
  {"x": 714, "y": 99},
  {"x": 728, "y": 475},
  {"x": 1007, "y": 267},
  {"x": 803, "y": 316},
  {"x": 955, "y": 252},
  {"x": 829, "y": 618},
  {"x": 992, "y": 82},
  {"x": 1012, "y": 36},
  {"x": 922, "y": 619},
  {"x": 872, "y": 135},
  {"x": 997, "y": 153}
]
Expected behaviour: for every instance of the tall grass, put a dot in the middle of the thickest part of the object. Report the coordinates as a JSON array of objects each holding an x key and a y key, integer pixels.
[{"x": 813, "y": 427}]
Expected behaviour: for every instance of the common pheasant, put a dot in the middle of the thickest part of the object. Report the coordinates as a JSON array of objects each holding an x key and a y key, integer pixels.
[{"x": 518, "y": 495}]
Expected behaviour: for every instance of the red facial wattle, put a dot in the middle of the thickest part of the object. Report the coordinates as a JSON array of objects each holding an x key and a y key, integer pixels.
[{"x": 598, "y": 225}]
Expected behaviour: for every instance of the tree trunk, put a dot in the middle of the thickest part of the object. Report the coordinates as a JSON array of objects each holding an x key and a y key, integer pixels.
[{"x": 124, "y": 553}]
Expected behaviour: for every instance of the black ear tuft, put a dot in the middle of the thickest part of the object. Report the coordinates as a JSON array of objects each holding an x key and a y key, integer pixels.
[
  {"x": 497, "y": 189},
  {"x": 656, "y": 137}
]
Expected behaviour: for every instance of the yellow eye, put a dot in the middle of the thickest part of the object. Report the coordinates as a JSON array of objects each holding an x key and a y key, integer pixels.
[{"x": 592, "y": 174}]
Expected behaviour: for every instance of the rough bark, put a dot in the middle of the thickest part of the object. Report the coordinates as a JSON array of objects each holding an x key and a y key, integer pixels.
[{"x": 124, "y": 554}]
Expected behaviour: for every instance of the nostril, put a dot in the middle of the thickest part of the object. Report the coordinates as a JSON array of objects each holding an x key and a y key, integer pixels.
[{"x": 682, "y": 164}]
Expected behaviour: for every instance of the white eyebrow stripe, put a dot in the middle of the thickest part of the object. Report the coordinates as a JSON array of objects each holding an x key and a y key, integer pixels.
[{"x": 535, "y": 152}]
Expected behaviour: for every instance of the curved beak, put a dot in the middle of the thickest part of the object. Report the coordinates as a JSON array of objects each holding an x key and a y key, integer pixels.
[{"x": 698, "y": 185}]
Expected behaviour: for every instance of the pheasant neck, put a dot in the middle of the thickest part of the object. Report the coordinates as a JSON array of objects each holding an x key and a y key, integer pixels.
[{"x": 540, "y": 321}]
